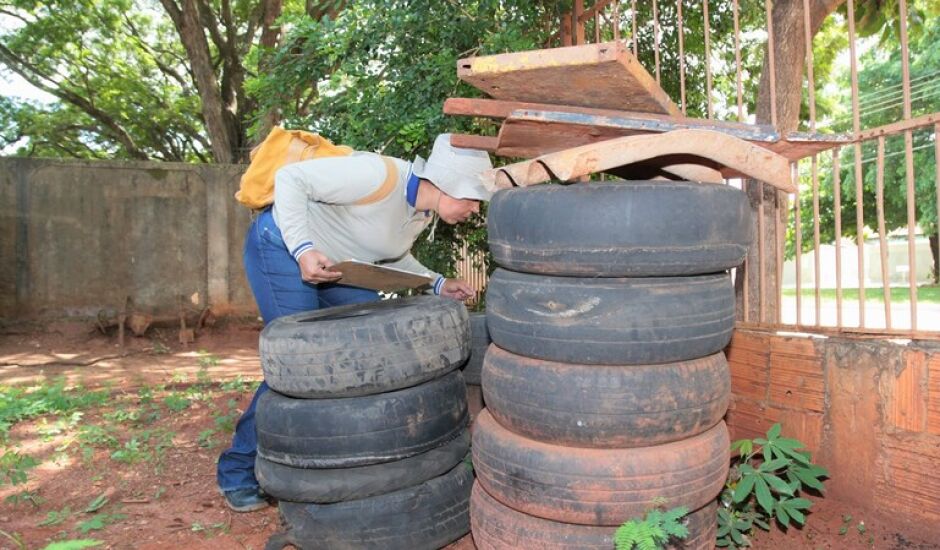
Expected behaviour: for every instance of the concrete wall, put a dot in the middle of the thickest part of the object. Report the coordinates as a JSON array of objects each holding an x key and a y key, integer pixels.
[
  {"x": 868, "y": 409},
  {"x": 79, "y": 236}
]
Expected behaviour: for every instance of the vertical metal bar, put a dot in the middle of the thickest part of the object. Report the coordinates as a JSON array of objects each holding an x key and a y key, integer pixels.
[
  {"x": 909, "y": 160},
  {"x": 856, "y": 128},
  {"x": 810, "y": 78},
  {"x": 576, "y": 20},
  {"x": 708, "y": 59},
  {"x": 636, "y": 43},
  {"x": 747, "y": 272},
  {"x": 770, "y": 62},
  {"x": 656, "y": 38},
  {"x": 761, "y": 260},
  {"x": 597, "y": 27},
  {"x": 566, "y": 29},
  {"x": 616, "y": 17},
  {"x": 860, "y": 234},
  {"x": 882, "y": 234},
  {"x": 799, "y": 251},
  {"x": 779, "y": 225},
  {"x": 681, "y": 56},
  {"x": 936, "y": 157},
  {"x": 737, "y": 61},
  {"x": 837, "y": 207},
  {"x": 816, "y": 267}
]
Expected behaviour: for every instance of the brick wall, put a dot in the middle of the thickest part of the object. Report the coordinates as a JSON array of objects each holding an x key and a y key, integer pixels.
[{"x": 868, "y": 409}]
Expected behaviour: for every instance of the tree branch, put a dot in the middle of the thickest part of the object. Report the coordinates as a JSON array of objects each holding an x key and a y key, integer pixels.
[{"x": 32, "y": 75}]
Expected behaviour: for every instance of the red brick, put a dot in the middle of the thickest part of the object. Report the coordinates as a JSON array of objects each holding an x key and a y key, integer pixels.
[
  {"x": 797, "y": 383},
  {"x": 933, "y": 394},
  {"x": 908, "y": 480},
  {"x": 907, "y": 399}
]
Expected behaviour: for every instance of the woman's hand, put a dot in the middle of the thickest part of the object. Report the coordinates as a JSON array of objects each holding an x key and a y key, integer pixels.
[
  {"x": 313, "y": 268},
  {"x": 458, "y": 289}
]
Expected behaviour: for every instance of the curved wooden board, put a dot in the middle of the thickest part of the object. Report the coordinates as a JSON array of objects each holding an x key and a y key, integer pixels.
[{"x": 702, "y": 147}]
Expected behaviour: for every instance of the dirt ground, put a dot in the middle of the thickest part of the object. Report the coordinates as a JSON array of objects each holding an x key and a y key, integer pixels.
[{"x": 131, "y": 463}]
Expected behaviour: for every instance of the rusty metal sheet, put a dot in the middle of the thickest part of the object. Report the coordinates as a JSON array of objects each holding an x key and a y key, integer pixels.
[
  {"x": 532, "y": 133},
  {"x": 602, "y": 75},
  {"x": 699, "y": 147}
]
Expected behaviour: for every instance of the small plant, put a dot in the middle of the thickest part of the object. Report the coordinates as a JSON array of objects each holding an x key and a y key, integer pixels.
[
  {"x": 55, "y": 517},
  {"x": 132, "y": 452},
  {"x": 98, "y": 522},
  {"x": 13, "y": 467},
  {"x": 176, "y": 402},
  {"x": 654, "y": 531},
  {"x": 74, "y": 544},
  {"x": 765, "y": 482},
  {"x": 237, "y": 384},
  {"x": 24, "y": 496},
  {"x": 18, "y": 403}
]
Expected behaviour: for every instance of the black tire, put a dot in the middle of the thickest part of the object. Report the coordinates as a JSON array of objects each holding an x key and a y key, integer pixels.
[
  {"x": 620, "y": 229},
  {"x": 605, "y": 406},
  {"x": 498, "y": 527},
  {"x": 358, "y": 431},
  {"x": 430, "y": 515},
  {"x": 610, "y": 321},
  {"x": 598, "y": 486},
  {"x": 327, "y": 485},
  {"x": 363, "y": 349},
  {"x": 479, "y": 341}
]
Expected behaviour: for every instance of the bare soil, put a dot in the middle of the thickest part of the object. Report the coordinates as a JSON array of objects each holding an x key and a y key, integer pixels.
[{"x": 148, "y": 451}]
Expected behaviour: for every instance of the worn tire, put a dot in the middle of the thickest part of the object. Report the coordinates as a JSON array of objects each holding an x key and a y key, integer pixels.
[
  {"x": 358, "y": 431},
  {"x": 430, "y": 515},
  {"x": 620, "y": 229},
  {"x": 598, "y": 486},
  {"x": 327, "y": 485},
  {"x": 605, "y": 406},
  {"x": 498, "y": 527},
  {"x": 479, "y": 341},
  {"x": 610, "y": 321},
  {"x": 363, "y": 349}
]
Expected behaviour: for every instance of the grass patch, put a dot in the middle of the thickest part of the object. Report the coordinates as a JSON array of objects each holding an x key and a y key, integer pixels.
[
  {"x": 925, "y": 294},
  {"x": 19, "y": 403}
]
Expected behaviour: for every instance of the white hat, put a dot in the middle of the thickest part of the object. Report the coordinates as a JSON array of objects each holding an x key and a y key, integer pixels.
[{"x": 455, "y": 171}]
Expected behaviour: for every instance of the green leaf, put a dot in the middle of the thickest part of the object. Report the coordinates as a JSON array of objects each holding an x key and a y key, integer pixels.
[
  {"x": 742, "y": 447},
  {"x": 774, "y": 465},
  {"x": 96, "y": 504},
  {"x": 800, "y": 503},
  {"x": 764, "y": 498},
  {"x": 782, "y": 515},
  {"x": 744, "y": 488},
  {"x": 74, "y": 544},
  {"x": 797, "y": 515},
  {"x": 774, "y": 432},
  {"x": 737, "y": 538},
  {"x": 808, "y": 479},
  {"x": 777, "y": 484}
]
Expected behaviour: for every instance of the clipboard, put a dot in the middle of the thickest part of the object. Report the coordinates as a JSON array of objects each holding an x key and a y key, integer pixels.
[{"x": 378, "y": 277}]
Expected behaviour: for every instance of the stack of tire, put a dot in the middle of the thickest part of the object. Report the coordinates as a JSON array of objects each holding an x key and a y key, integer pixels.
[
  {"x": 363, "y": 437},
  {"x": 606, "y": 384},
  {"x": 473, "y": 368}
]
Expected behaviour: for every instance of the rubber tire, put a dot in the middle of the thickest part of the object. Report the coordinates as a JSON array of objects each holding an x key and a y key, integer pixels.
[
  {"x": 498, "y": 527},
  {"x": 364, "y": 349},
  {"x": 620, "y": 229},
  {"x": 479, "y": 341},
  {"x": 605, "y": 406},
  {"x": 598, "y": 486},
  {"x": 610, "y": 321},
  {"x": 429, "y": 515},
  {"x": 325, "y": 486},
  {"x": 358, "y": 431}
]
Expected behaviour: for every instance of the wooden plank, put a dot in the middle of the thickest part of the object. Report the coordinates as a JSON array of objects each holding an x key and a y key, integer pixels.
[
  {"x": 530, "y": 133},
  {"x": 467, "y": 141},
  {"x": 676, "y": 147},
  {"x": 603, "y": 75}
]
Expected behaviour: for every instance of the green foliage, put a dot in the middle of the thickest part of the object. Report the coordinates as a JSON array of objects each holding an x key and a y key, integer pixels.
[
  {"x": 765, "y": 483},
  {"x": 98, "y": 522},
  {"x": 96, "y": 504},
  {"x": 74, "y": 544},
  {"x": 55, "y": 517},
  {"x": 654, "y": 531},
  {"x": 24, "y": 403},
  {"x": 132, "y": 452},
  {"x": 176, "y": 402},
  {"x": 13, "y": 467}
]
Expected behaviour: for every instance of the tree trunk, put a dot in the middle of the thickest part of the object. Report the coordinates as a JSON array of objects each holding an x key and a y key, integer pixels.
[
  {"x": 221, "y": 130},
  {"x": 789, "y": 65}
]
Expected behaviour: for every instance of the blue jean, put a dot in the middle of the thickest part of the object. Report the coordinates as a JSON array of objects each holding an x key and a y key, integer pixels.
[{"x": 274, "y": 277}]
